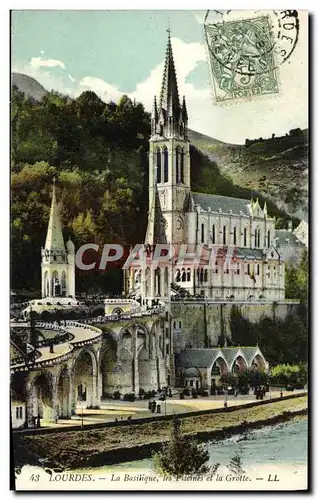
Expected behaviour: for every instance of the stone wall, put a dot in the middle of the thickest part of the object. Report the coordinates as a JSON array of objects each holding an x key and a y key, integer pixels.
[{"x": 192, "y": 321}]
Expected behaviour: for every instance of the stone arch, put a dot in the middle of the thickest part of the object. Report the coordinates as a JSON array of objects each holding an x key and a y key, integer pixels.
[
  {"x": 63, "y": 284},
  {"x": 239, "y": 364},
  {"x": 63, "y": 393},
  {"x": 166, "y": 280},
  {"x": 84, "y": 372},
  {"x": 182, "y": 165},
  {"x": 259, "y": 362},
  {"x": 165, "y": 164},
  {"x": 108, "y": 365},
  {"x": 46, "y": 284},
  {"x": 158, "y": 164},
  {"x": 219, "y": 367},
  {"x": 178, "y": 176},
  {"x": 158, "y": 282},
  {"x": 118, "y": 311},
  {"x": 126, "y": 360},
  {"x": 42, "y": 396},
  {"x": 56, "y": 284}
]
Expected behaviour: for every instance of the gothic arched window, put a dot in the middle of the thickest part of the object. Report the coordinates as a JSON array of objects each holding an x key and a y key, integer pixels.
[
  {"x": 177, "y": 164},
  {"x": 259, "y": 238},
  {"x": 234, "y": 236},
  {"x": 178, "y": 275},
  {"x": 201, "y": 275},
  {"x": 188, "y": 274},
  {"x": 182, "y": 166},
  {"x": 213, "y": 233},
  {"x": 184, "y": 277},
  {"x": 206, "y": 275},
  {"x": 165, "y": 165},
  {"x": 245, "y": 237},
  {"x": 215, "y": 370},
  {"x": 255, "y": 238},
  {"x": 158, "y": 162},
  {"x": 268, "y": 238},
  {"x": 202, "y": 233},
  {"x": 224, "y": 235}
]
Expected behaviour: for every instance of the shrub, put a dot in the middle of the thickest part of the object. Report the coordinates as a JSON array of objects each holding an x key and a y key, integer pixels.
[
  {"x": 116, "y": 395},
  {"x": 194, "y": 394},
  {"x": 181, "y": 456},
  {"x": 129, "y": 397},
  {"x": 186, "y": 392}
]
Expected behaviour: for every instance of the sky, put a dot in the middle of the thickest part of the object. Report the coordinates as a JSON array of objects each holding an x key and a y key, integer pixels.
[{"x": 122, "y": 52}]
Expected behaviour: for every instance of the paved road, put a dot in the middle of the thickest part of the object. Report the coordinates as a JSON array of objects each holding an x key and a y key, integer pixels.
[{"x": 110, "y": 409}]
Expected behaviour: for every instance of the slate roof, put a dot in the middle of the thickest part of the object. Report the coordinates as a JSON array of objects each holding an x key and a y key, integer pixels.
[
  {"x": 203, "y": 358},
  {"x": 192, "y": 372},
  {"x": 54, "y": 237},
  {"x": 248, "y": 253},
  {"x": 283, "y": 234},
  {"x": 226, "y": 203}
]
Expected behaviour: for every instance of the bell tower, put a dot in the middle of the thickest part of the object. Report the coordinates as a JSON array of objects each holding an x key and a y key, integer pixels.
[
  {"x": 169, "y": 161},
  {"x": 58, "y": 260}
]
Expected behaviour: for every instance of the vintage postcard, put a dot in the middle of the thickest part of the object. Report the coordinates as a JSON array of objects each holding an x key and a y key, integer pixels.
[{"x": 159, "y": 250}]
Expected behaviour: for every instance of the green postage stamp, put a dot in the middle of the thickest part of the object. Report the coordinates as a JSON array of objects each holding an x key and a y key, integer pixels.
[{"x": 241, "y": 58}]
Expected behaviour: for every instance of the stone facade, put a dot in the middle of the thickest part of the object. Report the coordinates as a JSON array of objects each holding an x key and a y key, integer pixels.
[{"x": 233, "y": 239}]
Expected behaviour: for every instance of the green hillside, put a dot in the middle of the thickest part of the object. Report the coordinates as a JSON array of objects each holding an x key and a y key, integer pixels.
[
  {"x": 99, "y": 155},
  {"x": 276, "y": 168}
]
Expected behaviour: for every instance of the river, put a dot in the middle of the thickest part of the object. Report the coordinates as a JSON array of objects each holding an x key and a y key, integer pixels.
[{"x": 273, "y": 457}]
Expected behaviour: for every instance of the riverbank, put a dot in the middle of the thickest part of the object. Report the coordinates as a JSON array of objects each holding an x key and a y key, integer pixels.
[{"x": 93, "y": 448}]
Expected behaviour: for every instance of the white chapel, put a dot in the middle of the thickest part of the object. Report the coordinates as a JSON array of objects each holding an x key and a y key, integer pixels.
[{"x": 58, "y": 259}]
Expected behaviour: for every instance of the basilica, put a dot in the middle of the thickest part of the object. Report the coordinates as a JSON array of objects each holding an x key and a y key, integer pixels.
[{"x": 239, "y": 233}]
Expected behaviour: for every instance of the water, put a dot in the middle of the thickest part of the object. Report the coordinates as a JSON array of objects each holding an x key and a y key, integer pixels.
[
  {"x": 281, "y": 444},
  {"x": 278, "y": 451}
]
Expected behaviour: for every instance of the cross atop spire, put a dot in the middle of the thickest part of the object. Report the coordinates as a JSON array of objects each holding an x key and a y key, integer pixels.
[{"x": 54, "y": 237}]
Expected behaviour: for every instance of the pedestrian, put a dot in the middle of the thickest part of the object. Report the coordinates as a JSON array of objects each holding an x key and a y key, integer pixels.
[{"x": 281, "y": 394}]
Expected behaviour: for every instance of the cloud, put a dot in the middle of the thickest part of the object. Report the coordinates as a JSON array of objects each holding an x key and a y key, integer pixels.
[
  {"x": 38, "y": 62},
  {"x": 106, "y": 91},
  {"x": 229, "y": 123}
]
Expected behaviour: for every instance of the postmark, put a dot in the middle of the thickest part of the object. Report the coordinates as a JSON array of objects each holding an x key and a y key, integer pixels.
[{"x": 245, "y": 54}]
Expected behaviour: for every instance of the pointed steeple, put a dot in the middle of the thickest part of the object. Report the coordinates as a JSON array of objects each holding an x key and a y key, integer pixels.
[
  {"x": 265, "y": 209},
  {"x": 54, "y": 237},
  {"x": 155, "y": 110},
  {"x": 169, "y": 97},
  {"x": 184, "y": 111}
]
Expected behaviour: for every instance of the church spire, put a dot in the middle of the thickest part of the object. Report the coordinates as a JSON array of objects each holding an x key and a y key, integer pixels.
[
  {"x": 169, "y": 97},
  {"x": 54, "y": 237}
]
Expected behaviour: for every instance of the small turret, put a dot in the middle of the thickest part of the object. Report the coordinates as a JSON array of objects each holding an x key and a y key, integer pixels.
[{"x": 70, "y": 246}]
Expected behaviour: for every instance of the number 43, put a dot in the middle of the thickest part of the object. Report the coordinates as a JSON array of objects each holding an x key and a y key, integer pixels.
[{"x": 35, "y": 477}]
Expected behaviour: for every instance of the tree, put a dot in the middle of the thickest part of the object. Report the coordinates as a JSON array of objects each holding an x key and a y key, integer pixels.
[
  {"x": 235, "y": 464},
  {"x": 297, "y": 280},
  {"x": 181, "y": 456}
]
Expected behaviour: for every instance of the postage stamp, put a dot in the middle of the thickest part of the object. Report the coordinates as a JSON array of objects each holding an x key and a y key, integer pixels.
[{"x": 241, "y": 58}]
